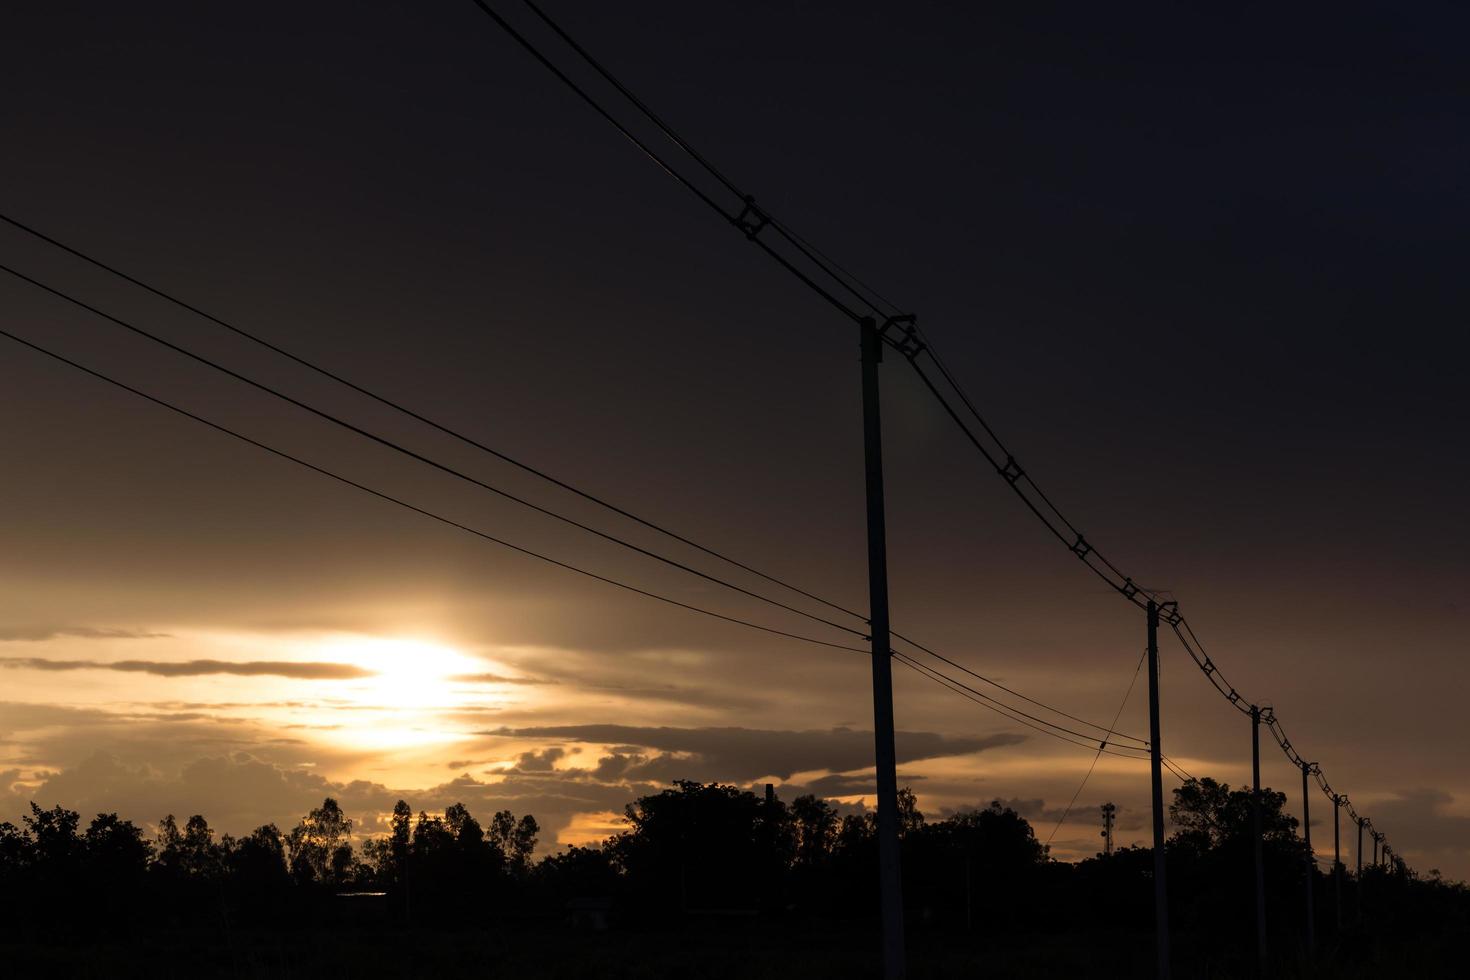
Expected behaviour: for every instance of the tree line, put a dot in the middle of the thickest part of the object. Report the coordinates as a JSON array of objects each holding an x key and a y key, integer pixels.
[{"x": 693, "y": 850}]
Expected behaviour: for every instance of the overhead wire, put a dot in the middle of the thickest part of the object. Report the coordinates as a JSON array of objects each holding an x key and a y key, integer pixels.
[
  {"x": 925, "y": 670},
  {"x": 410, "y": 506},
  {"x": 859, "y": 291},
  {"x": 971, "y": 694},
  {"x": 1040, "y": 721},
  {"x": 1109, "y": 731},
  {"x": 417, "y": 456},
  {"x": 475, "y": 443},
  {"x": 417, "y": 416},
  {"x": 1132, "y": 681},
  {"x": 1010, "y": 470},
  {"x": 736, "y": 218}
]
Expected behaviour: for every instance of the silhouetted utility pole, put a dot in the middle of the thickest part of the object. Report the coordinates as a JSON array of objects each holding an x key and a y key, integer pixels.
[
  {"x": 1337, "y": 802},
  {"x": 889, "y": 880},
  {"x": 969, "y": 905},
  {"x": 1358, "y": 875},
  {"x": 1311, "y": 862},
  {"x": 1256, "y": 830},
  {"x": 1109, "y": 815},
  {"x": 1155, "y": 758}
]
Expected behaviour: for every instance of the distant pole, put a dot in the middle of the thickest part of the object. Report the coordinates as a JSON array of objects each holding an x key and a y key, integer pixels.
[
  {"x": 1337, "y": 859},
  {"x": 1358, "y": 875},
  {"x": 969, "y": 917},
  {"x": 1311, "y": 864},
  {"x": 1256, "y": 829},
  {"x": 889, "y": 880},
  {"x": 1375, "y": 850},
  {"x": 1155, "y": 756}
]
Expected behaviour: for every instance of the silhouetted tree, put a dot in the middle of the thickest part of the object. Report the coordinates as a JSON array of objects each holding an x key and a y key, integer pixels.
[
  {"x": 259, "y": 879},
  {"x": 815, "y": 825},
  {"x": 319, "y": 848},
  {"x": 691, "y": 848},
  {"x": 514, "y": 839},
  {"x": 703, "y": 847}
]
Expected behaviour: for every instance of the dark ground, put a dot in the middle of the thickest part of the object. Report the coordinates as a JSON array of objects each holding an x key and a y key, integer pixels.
[{"x": 738, "y": 949}]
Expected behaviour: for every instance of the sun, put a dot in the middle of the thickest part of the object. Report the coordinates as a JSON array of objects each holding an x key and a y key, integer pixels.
[{"x": 407, "y": 673}]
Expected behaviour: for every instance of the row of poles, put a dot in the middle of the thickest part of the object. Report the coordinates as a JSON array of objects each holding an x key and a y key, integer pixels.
[
  {"x": 751, "y": 221},
  {"x": 872, "y": 340}
]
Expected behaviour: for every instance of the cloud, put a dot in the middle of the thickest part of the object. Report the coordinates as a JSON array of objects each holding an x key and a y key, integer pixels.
[
  {"x": 539, "y": 761},
  {"x": 741, "y": 754},
  {"x": 40, "y": 634},
  {"x": 497, "y": 679},
  {"x": 842, "y": 784},
  {"x": 1422, "y": 827},
  {"x": 192, "y": 668}
]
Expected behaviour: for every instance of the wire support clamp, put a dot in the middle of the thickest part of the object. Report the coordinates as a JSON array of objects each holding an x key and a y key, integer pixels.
[{"x": 751, "y": 219}]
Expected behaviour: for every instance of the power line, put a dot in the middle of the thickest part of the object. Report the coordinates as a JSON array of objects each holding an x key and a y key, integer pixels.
[
  {"x": 1039, "y": 721},
  {"x": 959, "y": 687},
  {"x": 1098, "y": 755},
  {"x": 1045, "y": 728},
  {"x": 849, "y": 282},
  {"x": 325, "y": 372},
  {"x": 410, "y": 413},
  {"x": 413, "y": 507},
  {"x": 1178, "y": 770},
  {"x": 1110, "y": 731},
  {"x": 749, "y": 219},
  {"x": 752, "y": 220},
  {"x": 419, "y": 457},
  {"x": 1011, "y": 470}
]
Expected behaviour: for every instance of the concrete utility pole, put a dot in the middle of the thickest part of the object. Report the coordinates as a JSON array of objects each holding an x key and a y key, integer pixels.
[
  {"x": 1311, "y": 863},
  {"x": 1337, "y": 802},
  {"x": 889, "y": 879},
  {"x": 1358, "y": 875},
  {"x": 1155, "y": 758},
  {"x": 1256, "y": 830}
]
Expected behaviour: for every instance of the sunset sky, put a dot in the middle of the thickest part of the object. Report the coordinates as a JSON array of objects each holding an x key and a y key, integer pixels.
[{"x": 1204, "y": 272}]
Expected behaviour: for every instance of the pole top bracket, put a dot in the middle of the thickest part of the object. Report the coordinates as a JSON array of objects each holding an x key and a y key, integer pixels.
[{"x": 905, "y": 337}]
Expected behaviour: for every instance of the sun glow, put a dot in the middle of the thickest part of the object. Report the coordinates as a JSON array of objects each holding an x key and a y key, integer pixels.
[
  {"x": 407, "y": 701},
  {"x": 407, "y": 673}
]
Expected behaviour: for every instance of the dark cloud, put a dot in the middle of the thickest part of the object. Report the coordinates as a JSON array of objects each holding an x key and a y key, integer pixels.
[
  {"x": 193, "y": 668},
  {"x": 497, "y": 679},
  {"x": 39, "y": 634},
  {"x": 841, "y": 784},
  {"x": 741, "y": 754},
  {"x": 543, "y": 761},
  {"x": 1421, "y": 828}
]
